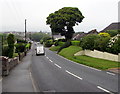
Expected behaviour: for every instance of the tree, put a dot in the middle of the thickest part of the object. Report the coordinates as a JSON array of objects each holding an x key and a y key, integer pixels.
[
  {"x": 63, "y": 20},
  {"x": 10, "y": 41}
]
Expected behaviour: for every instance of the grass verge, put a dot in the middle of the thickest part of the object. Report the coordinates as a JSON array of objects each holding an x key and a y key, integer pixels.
[
  {"x": 54, "y": 48},
  {"x": 86, "y": 60}
]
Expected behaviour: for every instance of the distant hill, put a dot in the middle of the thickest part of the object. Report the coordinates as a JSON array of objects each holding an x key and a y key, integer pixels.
[{"x": 113, "y": 26}]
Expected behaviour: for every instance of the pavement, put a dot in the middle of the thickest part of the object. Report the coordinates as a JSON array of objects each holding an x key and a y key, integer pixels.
[{"x": 19, "y": 79}]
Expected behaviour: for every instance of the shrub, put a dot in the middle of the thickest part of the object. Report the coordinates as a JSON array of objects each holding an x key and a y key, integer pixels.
[
  {"x": 75, "y": 43},
  {"x": 114, "y": 46},
  {"x": 41, "y": 41},
  {"x": 101, "y": 43},
  {"x": 5, "y": 51},
  {"x": 48, "y": 43},
  {"x": 104, "y": 34},
  {"x": 10, "y": 41},
  {"x": 20, "y": 47},
  {"x": 88, "y": 42}
]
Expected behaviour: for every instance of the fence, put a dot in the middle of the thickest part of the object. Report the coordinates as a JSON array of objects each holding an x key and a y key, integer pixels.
[{"x": 101, "y": 55}]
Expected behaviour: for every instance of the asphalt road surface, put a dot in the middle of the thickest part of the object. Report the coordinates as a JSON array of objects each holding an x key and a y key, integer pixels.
[{"x": 53, "y": 73}]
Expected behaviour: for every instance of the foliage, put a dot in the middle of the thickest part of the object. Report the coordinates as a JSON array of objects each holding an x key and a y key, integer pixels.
[
  {"x": 63, "y": 20},
  {"x": 10, "y": 41},
  {"x": 67, "y": 44},
  {"x": 104, "y": 34},
  {"x": 20, "y": 47},
  {"x": 114, "y": 45},
  {"x": 75, "y": 43},
  {"x": 28, "y": 45},
  {"x": 101, "y": 43},
  {"x": 41, "y": 41},
  {"x": 48, "y": 43},
  {"x": 88, "y": 41},
  {"x": 5, "y": 51},
  {"x": 112, "y": 32},
  {"x": 38, "y": 36},
  {"x": 45, "y": 38}
]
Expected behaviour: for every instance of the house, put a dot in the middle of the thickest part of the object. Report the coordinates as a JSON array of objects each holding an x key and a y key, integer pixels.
[
  {"x": 80, "y": 35},
  {"x": 112, "y": 26}
]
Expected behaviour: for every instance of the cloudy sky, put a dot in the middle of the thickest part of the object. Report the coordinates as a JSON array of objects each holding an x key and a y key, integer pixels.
[{"x": 98, "y": 13}]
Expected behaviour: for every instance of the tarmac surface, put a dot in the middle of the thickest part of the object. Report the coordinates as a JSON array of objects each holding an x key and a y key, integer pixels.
[{"x": 19, "y": 79}]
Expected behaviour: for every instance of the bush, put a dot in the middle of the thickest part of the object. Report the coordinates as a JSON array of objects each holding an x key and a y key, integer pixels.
[
  {"x": 10, "y": 41},
  {"x": 41, "y": 41},
  {"x": 75, "y": 43},
  {"x": 88, "y": 42},
  {"x": 114, "y": 47},
  {"x": 5, "y": 51},
  {"x": 20, "y": 47},
  {"x": 48, "y": 43},
  {"x": 101, "y": 43}
]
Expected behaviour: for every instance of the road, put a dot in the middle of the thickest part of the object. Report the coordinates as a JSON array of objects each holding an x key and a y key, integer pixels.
[{"x": 53, "y": 73}]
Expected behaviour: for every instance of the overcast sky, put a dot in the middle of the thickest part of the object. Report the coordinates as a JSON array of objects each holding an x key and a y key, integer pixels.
[{"x": 98, "y": 13}]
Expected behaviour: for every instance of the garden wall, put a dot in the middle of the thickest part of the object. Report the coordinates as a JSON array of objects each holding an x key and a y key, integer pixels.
[{"x": 99, "y": 54}]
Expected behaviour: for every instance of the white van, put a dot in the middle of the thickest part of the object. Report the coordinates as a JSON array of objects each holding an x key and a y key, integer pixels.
[{"x": 40, "y": 50}]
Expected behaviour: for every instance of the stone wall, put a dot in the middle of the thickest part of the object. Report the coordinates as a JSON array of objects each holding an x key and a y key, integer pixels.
[{"x": 99, "y": 54}]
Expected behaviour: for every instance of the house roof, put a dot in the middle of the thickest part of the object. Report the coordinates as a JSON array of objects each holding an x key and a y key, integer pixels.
[{"x": 112, "y": 26}]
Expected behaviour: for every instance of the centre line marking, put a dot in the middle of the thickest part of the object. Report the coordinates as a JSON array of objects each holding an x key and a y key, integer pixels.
[
  {"x": 57, "y": 66},
  {"x": 111, "y": 73},
  {"x": 73, "y": 75},
  {"x": 103, "y": 89},
  {"x": 47, "y": 57},
  {"x": 50, "y": 60}
]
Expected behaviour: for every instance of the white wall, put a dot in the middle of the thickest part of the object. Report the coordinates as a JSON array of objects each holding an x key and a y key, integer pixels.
[{"x": 101, "y": 55}]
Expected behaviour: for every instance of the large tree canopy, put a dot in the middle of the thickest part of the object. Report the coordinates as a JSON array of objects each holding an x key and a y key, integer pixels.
[{"x": 63, "y": 20}]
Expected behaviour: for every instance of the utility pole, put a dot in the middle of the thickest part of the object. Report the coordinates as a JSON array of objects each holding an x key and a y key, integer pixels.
[{"x": 25, "y": 30}]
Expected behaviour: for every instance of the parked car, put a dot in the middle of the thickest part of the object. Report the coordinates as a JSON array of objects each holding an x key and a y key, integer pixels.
[{"x": 40, "y": 50}]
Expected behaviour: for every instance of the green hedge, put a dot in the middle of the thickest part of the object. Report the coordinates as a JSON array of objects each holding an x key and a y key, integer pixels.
[{"x": 75, "y": 43}]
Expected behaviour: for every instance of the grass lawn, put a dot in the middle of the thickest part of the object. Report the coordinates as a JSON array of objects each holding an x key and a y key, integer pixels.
[
  {"x": 86, "y": 60},
  {"x": 54, "y": 48}
]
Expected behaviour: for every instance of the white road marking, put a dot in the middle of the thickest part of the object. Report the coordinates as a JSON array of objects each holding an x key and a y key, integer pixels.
[
  {"x": 57, "y": 66},
  {"x": 50, "y": 60},
  {"x": 110, "y": 73},
  {"x": 104, "y": 89},
  {"x": 73, "y": 75},
  {"x": 47, "y": 57},
  {"x": 79, "y": 64}
]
